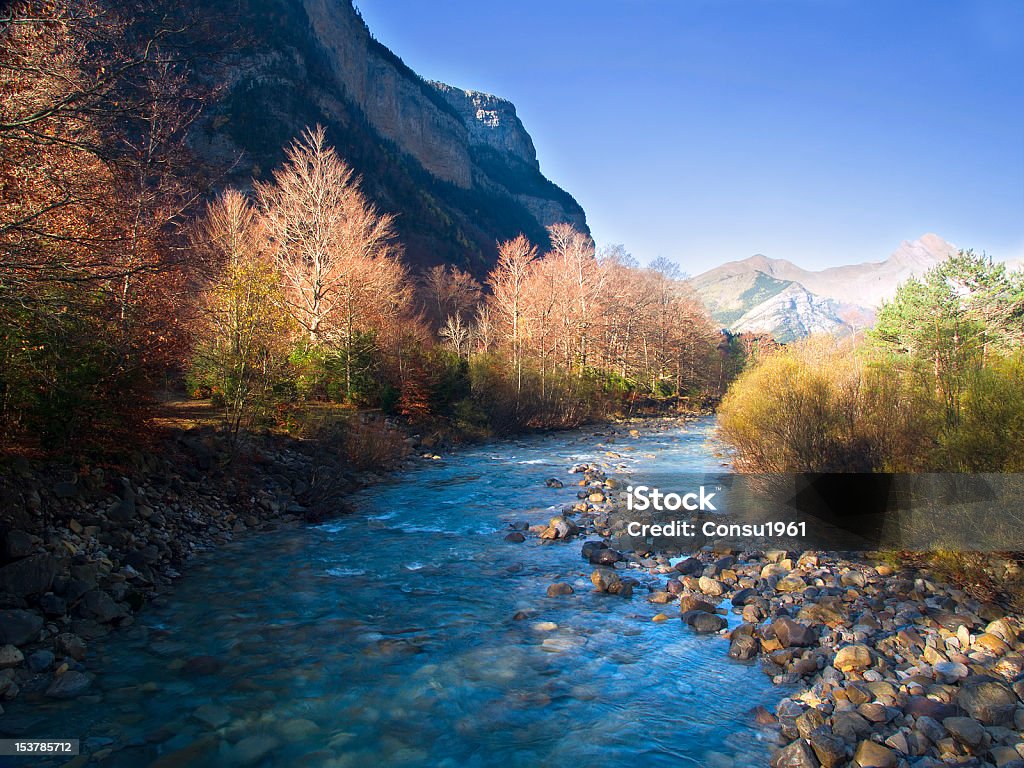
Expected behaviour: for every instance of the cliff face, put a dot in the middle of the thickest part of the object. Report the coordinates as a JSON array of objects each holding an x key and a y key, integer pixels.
[{"x": 458, "y": 167}]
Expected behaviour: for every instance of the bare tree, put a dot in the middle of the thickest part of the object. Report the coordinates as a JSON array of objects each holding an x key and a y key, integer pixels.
[
  {"x": 335, "y": 251},
  {"x": 508, "y": 283}
]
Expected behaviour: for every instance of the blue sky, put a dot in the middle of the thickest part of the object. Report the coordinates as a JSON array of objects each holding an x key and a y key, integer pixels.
[{"x": 821, "y": 131}]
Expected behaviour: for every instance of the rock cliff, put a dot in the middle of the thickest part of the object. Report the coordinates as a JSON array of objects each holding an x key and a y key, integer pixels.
[{"x": 458, "y": 167}]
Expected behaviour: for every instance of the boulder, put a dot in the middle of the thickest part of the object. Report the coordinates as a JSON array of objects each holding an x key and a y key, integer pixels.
[
  {"x": 852, "y": 658},
  {"x": 560, "y": 588},
  {"x": 70, "y": 685},
  {"x": 966, "y": 730},
  {"x": 743, "y": 647},
  {"x": 18, "y": 627},
  {"x": 17, "y": 544},
  {"x": 10, "y": 656},
  {"x": 29, "y": 576},
  {"x": 988, "y": 701},
  {"x": 792, "y": 634},
  {"x": 828, "y": 748},
  {"x": 704, "y": 623},
  {"x": 870, "y": 754},
  {"x": 796, "y": 755}
]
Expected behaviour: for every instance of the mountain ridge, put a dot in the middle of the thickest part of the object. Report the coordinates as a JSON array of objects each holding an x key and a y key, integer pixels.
[
  {"x": 459, "y": 176},
  {"x": 766, "y": 295}
]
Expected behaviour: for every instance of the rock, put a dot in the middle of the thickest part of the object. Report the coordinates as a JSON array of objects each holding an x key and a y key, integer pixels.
[
  {"x": 553, "y": 482},
  {"x": 70, "y": 685},
  {"x": 829, "y": 749},
  {"x": 53, "y": 605},
  {"x": 40, "y": 661},
  {"x": 931, "y": 728},
  {"x": 710, "y": 586},
  {"x": 515, "y": 537},
  {"x": 792, "y": 634},
  {"x": 252, "y": 749},
  {"x": 791, "y": 583},
  {"x": 921, "y": 705},
  {"x": 297, "y": 729},
  {"x": 18, "y": 627},
  {"x": 966, "y": 730},
  {"x": 67, "y": 644},
  {"x": 10, "y": 656},
  {"x": 853, "y": 579},
  {"x": 850, "y": 726},
  {"x": 97, "y": 604},
  {"x": 809, "y": 721},
  {"x": 560, "y": 588},
  {"x": 743, "y": 596},
  {"x": 990, "y": 702},
  {"x": 122, "y": 512},
  {"x": 17, "y": 544},
  {"x": 796, "y": 755},
  {"x": 872, "y": 755},
  {"x": 993, "y": 644},
  {"x": 743, "y": 647},
  {"x": 606, "y": 580},
  {"x": 950, "y": 671},
  {"x": 694, "y": 603},
  {"x": 29, "y": 576},
  {"x": 852, "y": 658},
  {"x": 691, "y": 566},
  {"x": 704, "y": 623},
  {"x": 212, "y": 715},
  {"x": 604, "y": 557}
]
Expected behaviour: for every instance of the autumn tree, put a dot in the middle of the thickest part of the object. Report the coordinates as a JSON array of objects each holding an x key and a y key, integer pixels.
[
  {"x": 242, "y": 336},
  {"x": 508, "y": 284},
  {"x": 335, "y": 251}
]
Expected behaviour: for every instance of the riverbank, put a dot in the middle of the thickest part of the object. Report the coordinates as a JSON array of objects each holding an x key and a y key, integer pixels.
[
  {"x": 882, "y": 666},
  {"x": 84, "y": 548}
]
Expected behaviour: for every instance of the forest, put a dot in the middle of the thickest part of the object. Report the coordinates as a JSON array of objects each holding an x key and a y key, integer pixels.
[{"x": 129, "y": 268}]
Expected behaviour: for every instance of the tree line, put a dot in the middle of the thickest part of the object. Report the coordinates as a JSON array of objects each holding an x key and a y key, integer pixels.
[
  {"x": 119, "y": 276},
  {"x": 305, "y": 297}
]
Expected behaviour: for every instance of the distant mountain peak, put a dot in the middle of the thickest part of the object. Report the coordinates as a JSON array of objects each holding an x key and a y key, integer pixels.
[{"x": 776, "y": 296}]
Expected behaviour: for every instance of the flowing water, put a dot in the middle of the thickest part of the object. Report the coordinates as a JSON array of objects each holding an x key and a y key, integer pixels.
[{"x": 388, "y": 638}]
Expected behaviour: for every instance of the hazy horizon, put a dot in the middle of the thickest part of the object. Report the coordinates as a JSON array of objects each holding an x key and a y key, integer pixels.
[{"x": 824, "y": 134}]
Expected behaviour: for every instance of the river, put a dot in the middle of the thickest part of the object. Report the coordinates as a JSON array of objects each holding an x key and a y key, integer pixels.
[{"x": 388, "y": 638}]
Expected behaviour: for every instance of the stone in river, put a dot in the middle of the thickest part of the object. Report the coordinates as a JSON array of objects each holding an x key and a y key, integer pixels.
[
  {"x": 560, "y": 588},
  {"x": 743, "y": 647},
  {"x": 710, "y": 586},
  {"x": 694, "y": 603},
  {"x": 515, "y": 537},
  {"x": 792, "y": 634},
  {"x": 604, "y": 557},
  {"x": 704, "y": 623},
  {"x": 691, "y": 566},
  {"x": 252, "y": 749},
  {"x": 70, "y": 685},
  {"x": 796, "y": 755},
  {"x": 212, "y": 715}
]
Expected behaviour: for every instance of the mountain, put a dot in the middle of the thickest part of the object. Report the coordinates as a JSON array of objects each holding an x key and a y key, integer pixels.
[
  {"x": 776, "y": 296},
  {"x": 457, "y": 166}
]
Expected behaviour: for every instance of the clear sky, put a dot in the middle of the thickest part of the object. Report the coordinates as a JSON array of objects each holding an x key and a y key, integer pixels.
[{"x": 821, "y": 131}]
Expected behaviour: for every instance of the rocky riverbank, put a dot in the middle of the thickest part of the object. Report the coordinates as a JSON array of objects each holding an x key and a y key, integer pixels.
[
  {"x": 883, "y": 667},
  {"x": 83, "y": 548}
]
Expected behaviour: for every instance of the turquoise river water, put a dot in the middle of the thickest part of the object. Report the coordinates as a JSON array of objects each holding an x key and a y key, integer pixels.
[{"x": 387, "y": 638}]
